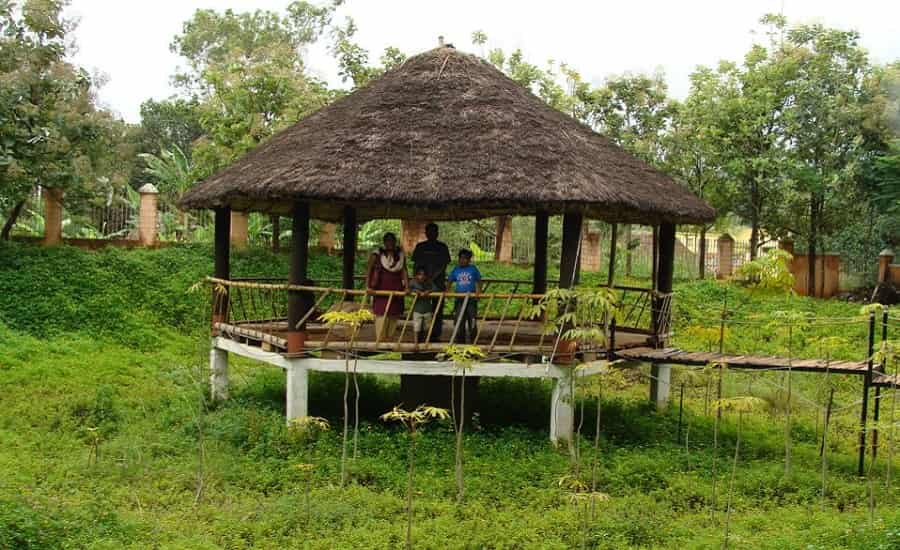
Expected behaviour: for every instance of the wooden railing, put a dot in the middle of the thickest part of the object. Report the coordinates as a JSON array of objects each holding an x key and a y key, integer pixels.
[{"x": 507, "y": 322}]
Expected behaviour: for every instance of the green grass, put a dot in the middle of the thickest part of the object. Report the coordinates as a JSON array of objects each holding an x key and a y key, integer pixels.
[{"x": 77, "y": 358}]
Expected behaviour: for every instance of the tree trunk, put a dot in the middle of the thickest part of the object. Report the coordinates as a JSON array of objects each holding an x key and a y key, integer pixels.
[
  {"x": 811, "y": 246},
  {"x": 11, "y": 220},
  {"x": 701, "y": 267},
  {"x": 755, "y": 208},
  {"x": 628, "y": 250}
]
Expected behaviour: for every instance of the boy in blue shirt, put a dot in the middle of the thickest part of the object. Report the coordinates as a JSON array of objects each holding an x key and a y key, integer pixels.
[{"x": 465, "y": 279}]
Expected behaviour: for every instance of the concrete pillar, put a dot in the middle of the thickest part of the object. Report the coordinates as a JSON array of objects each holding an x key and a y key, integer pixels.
[
  {"x": 239, "y": 234},
  {"x": 885, "y": 259},
  {"x": 660, "y": 382},
  {"x": 297, "y": 389},
  {"x": 327, "y": 234},
  {"x": 52, "y": 216},
  {"x": 590, "y": 251},
  {"x": 147, "y": 226},
  {"x": 218, "y": 374},
  {"x": 562, "y": 410},
  {"x": 412, "y": 232},
  {"x": 725, "y": 248},
  {"x": 503, "y": 240}
]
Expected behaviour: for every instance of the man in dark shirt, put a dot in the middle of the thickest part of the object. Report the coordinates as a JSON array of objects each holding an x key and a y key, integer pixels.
[{"x": 433, "y": 256}]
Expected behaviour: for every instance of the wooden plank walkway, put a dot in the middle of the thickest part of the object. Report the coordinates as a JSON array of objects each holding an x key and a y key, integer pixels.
[
  {"x": 885, "y": 380},
  {"x": 675, "y": 355}
]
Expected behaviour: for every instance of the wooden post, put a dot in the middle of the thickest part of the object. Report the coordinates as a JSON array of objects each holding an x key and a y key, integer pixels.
[
  {"x": 571, "y": 241},
  {"x": 298, "y": 302},
  {"x": 665, "y": 271},
  {"x": 864, "y": 409},
  {"x": 654, "y": 255},
  {"x": 610, "y": 279},
  {"x": 877, "y": 409},
  {"x": 349, "y": 258},
  {"x": 275, "y": 220},
  {"x": 222, "y": 268},
  {"x": 541, "y": 225}
]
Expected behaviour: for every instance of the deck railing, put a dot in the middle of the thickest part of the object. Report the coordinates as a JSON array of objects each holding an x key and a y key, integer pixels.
[{"x": 507, "y": 321}]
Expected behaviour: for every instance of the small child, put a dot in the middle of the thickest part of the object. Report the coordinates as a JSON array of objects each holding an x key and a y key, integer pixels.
[
  {"x": 421, "y": 316},
  {"x": 465, "y": 279}
]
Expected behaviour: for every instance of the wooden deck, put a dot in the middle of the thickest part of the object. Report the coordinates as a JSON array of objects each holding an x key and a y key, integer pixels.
[
  {"x": 494, "y": 337},
  {"x": 681, "y": 357}
]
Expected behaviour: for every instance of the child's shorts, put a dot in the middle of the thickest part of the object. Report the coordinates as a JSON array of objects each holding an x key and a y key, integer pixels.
[{"x": 421, "y": 321}]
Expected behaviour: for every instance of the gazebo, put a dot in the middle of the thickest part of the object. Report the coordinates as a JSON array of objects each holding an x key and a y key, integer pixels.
[{"x": 444, "y": 136}]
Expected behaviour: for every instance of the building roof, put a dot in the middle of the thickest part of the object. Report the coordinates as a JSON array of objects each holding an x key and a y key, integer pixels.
[{"x": 446, "y": 136}]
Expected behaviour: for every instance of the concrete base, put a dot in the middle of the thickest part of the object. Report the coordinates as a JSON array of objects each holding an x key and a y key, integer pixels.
[
  {"x": 218, "y": 374},
  {"x": 562, "y": 413},
  {"x": 297, "y": 392},
  {"x": 660, "y": 383}
]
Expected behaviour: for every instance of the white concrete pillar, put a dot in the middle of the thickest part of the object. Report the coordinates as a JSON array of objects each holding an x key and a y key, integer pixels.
[
  {"x": 218, "y": 374},
  {"x": 297, "y": 389},
  {"x": 660, "y": 382},
  {"x": 562, "y": 410}
]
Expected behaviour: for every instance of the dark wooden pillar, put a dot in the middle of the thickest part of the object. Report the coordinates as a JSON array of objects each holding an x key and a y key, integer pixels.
[
  {"x": 571, "y": 241},
  {"x": 222, "y": 269},
  {"x": 611, "y": 277},
  {"x": 541, "y": 225},
  {"x": 665, "y": 270},
  {"x": 298, "y": 302},
  {"x": 864, "y": 408},
  {"x": 349, "y": 258},
  {"x": 276, "y": 232},
  {"x": 654, "y": 256}
]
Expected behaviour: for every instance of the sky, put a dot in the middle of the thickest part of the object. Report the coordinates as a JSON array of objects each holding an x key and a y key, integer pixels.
[{"x": 128, "y": 40}]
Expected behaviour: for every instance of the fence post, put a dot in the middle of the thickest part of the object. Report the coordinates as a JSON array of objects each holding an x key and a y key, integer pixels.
[
  {"x": 590, "y": 251},
  {"x": 725, "y": 249},
  {"x": 239, "y": 233},
  {"x": 327, "y": 233},
  {"x": 52, "y": 216},
  {"x": 147, "y": 214}
]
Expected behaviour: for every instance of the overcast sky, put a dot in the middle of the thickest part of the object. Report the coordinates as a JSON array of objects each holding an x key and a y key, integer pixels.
[{"x": 128, "y": 40}]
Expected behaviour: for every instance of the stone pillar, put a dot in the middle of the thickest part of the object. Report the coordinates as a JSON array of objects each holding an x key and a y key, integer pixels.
[
  {"x": 885, "y": 259},
  {"x": 725, "y": 248},
  {"x": 562, "y": 410},
  {"x": 239, "y": 235},
  {"x": 147, "y": 215},
  {"x": 297, "y": 398},
  {"x": 503, "y": 240},
  {"x": 590, "y": 251},
  {"x": 412, "y": 232},
  {"x": 218, "y": 374},
  {"x": 660, "y": 382},
  {"x": 327, "y": 234},
  {"x": 52, "y": 216}
]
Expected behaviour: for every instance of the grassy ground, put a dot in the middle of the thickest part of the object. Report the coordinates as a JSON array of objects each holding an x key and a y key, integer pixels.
[{"x": 108, "y": 441}]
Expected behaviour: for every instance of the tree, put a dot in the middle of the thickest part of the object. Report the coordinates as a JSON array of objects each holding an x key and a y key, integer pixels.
[
  {"x": 247, "y": 74},
  {"x": 51, "y": 133},
  {"x": 831, "y": 124}
]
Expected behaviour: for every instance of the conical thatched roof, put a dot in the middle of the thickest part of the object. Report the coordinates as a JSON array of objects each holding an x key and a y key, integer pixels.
[{"x": 446, "y": 136}]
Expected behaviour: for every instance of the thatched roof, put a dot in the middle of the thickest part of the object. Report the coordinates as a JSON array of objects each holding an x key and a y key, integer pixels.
[{"x": 446, "y": 136}]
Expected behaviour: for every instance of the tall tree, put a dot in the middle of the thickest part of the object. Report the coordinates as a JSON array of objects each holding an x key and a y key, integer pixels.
[
  {"x": 832, "y": 125},
  {"x": 247, "y": 73},
  {"x": 51, "y": 133}
]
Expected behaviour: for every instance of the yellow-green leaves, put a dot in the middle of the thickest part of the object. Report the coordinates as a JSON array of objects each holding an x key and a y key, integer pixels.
[
  {"x": 415, "y": 418},
  {"x": 768, "y": 272},
  {"x": 353, "y": 319}
]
